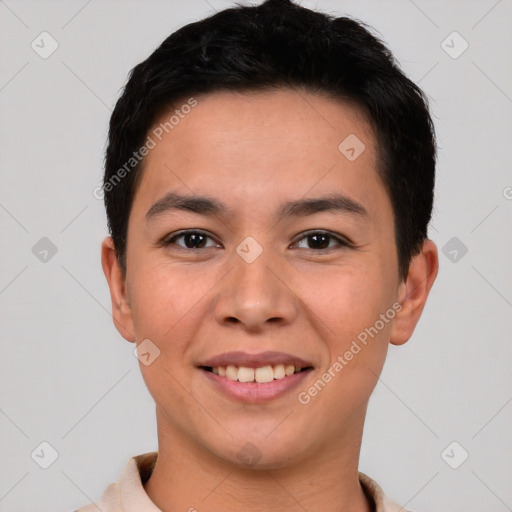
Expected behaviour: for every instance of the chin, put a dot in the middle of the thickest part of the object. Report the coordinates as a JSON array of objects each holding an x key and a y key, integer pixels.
[{"x": 260, "y": 452}]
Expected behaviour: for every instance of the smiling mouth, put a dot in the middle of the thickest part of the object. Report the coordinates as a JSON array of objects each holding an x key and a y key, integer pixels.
[{"x": 260, "y": 375}]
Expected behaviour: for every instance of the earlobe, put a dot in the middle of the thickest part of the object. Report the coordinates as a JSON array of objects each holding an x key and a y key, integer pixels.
[
  {"x": 121, "y": 310},
  {"x": 413, "y": 293}
]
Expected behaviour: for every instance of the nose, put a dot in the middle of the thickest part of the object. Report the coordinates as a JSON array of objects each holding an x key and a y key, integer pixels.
[{"x": 255, "y": 296}]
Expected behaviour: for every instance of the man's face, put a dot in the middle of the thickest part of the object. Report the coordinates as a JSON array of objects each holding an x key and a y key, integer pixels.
[{"x": 305, "y": 284}]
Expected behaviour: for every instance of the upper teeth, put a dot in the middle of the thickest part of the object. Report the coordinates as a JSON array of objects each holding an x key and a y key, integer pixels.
[{"x": 262, "y": 374}]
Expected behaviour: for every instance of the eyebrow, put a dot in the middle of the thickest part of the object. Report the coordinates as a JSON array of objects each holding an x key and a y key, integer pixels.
[{"x": 204, "y": 205}]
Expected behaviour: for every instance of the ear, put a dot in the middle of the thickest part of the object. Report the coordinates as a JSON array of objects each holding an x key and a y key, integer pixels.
[
  {"x": 121, "y": 310},
  {"x": 413, "y": 292}
]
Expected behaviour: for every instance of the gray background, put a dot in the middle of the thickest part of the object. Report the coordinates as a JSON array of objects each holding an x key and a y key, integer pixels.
[{"x": 68, "y": 378}]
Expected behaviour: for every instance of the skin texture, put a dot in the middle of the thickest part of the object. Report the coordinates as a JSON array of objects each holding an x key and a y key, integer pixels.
[{"x": 254, "y": 151}]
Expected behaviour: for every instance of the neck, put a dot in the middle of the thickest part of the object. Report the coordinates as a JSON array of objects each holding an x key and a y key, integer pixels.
[{"x": 188, "y": 477}]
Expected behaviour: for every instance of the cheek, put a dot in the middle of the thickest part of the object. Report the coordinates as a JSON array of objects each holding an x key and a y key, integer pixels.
[
  {"x": 349, "y": 305},
  {"x": 349, "y": 301},
  {"x": 164, "y": 298},
  {"x": 357, "y": 341}
]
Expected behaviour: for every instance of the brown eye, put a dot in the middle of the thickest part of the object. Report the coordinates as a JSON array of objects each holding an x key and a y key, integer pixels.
[
  {"x": 321, "y": 240},
  {"x": 191, "y": 240}
]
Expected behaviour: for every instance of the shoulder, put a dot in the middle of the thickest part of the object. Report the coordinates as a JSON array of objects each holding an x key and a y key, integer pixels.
[
  {"x": 375, "y": 493},
  {"x": 110, "y": 501},
  {"x": 130, "y": 486}
]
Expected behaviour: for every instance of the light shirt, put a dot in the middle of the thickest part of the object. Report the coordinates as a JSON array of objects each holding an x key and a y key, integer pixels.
[{"x": 129, "y": 495}]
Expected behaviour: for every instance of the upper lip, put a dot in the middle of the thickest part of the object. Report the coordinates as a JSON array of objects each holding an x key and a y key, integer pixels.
[{"x": 255, "y": 360}]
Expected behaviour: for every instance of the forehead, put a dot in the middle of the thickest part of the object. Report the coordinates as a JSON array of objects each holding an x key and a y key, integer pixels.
[
  {"x": 294, "y": 119},
  {"x": 256, "y": 147}
]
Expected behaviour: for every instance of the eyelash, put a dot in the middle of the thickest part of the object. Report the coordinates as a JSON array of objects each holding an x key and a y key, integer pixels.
[{"x": 342, "y": 241}]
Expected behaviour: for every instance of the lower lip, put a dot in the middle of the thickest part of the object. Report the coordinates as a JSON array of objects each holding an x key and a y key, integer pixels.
[{"x": 255, "y": 392}]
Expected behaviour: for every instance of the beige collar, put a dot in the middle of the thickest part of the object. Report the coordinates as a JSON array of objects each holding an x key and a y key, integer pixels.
[{"x": 128, "y": 495}]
